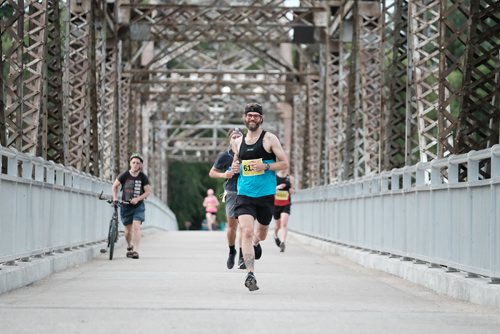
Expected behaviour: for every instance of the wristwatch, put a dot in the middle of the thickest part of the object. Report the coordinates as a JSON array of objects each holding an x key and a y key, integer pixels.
[{"x": 267, "y": 166}]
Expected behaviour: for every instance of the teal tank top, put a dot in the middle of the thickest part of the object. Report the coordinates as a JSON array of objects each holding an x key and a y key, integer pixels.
[{"x": 251, "y": 183}]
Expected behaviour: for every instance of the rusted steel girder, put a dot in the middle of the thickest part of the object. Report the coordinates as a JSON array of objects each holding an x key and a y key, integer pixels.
[
  {"x": 106, "y": 85},
  {"x": 370, "y": 46},
  {"x": 23, "y": 86},
  {"x": 79, "y": 115},
  {"x": 479, "y": 119},
  {"x": 271, "y": 23},
  {"x": 218, "y": 57},
  {"x": 391, "y": 82},
  {"x": 395, "y": 84},
  {"x": 50, "y": 144}
]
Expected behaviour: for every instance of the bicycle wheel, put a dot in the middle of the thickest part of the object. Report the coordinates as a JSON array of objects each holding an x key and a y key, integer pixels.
[{"x": 113, "y": 235}]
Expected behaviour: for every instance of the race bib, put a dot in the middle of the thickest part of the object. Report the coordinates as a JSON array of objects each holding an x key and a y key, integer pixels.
[
  {"x": 282, "y": 195},
  {"x": 247, "y": 169}
]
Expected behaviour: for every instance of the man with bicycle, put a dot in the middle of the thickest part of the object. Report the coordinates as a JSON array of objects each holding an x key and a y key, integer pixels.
[{"x": 135, "y": 189}]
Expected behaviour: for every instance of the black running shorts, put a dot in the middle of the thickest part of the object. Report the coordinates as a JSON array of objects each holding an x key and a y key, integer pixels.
[
  {"x": 278, "y": 210},
  {"x": 260, "y": 208}
]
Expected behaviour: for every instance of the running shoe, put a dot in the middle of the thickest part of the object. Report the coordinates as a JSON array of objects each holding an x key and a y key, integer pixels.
[
  {"x": 241, "y": 264},
  {"x": 258, "y": 251},
  {"x": 277, "y": 241},
  {"x": 230, "y": 261},
  {"x": 251, "y": 282},
  {"x": 282, "y": 247}
]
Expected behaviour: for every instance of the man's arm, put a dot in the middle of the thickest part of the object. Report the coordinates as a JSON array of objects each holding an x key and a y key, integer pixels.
[
  {"x": 235, "y": 168},
  {"x": 114, "y": 190},
  {"x": 147, "y": 192},
  {"x": 281, "y": 158},
  {"x": 217, "y": 174},
  {"x": 272, "y": 144},
  {"x": 235, "y": 147},
  {"x": 292, "y": 184}
]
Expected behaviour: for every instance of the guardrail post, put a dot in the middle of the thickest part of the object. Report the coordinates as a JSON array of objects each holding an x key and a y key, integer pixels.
[
  {"x": 384, "y": 182},
  {"x": 358, "y": 188},
  {"x": 472, "y": 167},
  {"x": 39, "y": 169},
  {"x": 68, "y": 178},
  {"x": 27, "y": 167},
  {"x": 420, "y": 174},
  {"x": 366, "y": 185},
  {"x": 435, "y": 174},
  {"x": 375, "y": 187},
  {"x": 12, "y": 163},
  {"x": 452, "y": 171},
  {"x": 60, "y": 175},
  {"x": 50, "y": 172},
  {"x": 77, "y": 180},
  {"x": 394, "y": 180},
  {"x": 495, "y": 161},
  {"x": 407, "y": 172}
]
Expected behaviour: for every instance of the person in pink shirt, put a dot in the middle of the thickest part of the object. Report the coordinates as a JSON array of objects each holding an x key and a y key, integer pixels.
[{"x": 211, "y": 204}]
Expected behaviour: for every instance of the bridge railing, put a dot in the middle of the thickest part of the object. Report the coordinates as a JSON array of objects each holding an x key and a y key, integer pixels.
[
  {"x": 47, "y": 207},
  {"x": 423, "y": 212}
]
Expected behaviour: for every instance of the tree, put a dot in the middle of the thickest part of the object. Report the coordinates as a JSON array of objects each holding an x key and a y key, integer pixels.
[{"x": 187, "y": 186}]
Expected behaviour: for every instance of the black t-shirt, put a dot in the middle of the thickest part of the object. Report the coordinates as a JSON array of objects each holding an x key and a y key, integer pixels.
[
  {"x": 132, "y": 186},
  {"x": 222, "y": 163}
]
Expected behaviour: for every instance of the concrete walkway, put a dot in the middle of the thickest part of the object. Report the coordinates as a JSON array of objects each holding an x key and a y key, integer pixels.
[{"x": 181, "y": 285}]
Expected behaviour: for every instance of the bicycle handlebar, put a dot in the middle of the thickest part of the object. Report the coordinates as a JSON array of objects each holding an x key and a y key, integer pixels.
[{"x": 110, "y": 201}]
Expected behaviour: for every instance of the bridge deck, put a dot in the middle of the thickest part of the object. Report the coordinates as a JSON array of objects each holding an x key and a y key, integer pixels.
[{"x": 181, "y": 285}]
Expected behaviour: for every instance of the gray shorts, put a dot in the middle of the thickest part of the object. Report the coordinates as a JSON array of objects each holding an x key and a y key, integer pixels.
[{"x": 231, "y": 203}]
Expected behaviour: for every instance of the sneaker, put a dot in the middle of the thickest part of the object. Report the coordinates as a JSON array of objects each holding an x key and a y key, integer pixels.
[
  {"x": 282, "y": 247},
  {"x": 230, "y": 261},
  {"x": 277, "y": 241},
  {"x": 241, "y": 264},
  {"x": 258, "y": 251},
  {"x": 135, "y": 255},
  {"x": 251, "y": 282}
]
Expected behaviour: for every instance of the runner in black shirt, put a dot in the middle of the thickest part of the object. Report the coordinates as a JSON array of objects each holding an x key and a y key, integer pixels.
[{"x": 222, "y": 169}]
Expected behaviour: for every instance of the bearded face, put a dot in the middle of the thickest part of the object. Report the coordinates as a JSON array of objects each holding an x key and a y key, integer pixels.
[{"x": 253, "y": 121}]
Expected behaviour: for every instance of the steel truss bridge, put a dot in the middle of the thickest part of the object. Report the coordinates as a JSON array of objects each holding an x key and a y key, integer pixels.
[{"x": 352, "y": 88}]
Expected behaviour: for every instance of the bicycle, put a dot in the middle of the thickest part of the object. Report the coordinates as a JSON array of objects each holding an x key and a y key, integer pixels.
[{"x": 113, "y": 226}]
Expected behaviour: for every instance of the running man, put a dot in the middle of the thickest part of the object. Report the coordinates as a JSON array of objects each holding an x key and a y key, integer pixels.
[
  {"x": 282, "y": 207},
  {"x": 135, "y": 189},
  {"x": 222, "y": 169},
  {"x": 258, "y": 155}
]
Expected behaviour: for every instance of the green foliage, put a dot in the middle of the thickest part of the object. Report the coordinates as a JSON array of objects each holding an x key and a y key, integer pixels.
[
  {"x": 6, "y": 10},
  {"x": 257, "y": 65},
  {"x": 175, "y": 64},
  {"x": 187, "y": 187}
]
